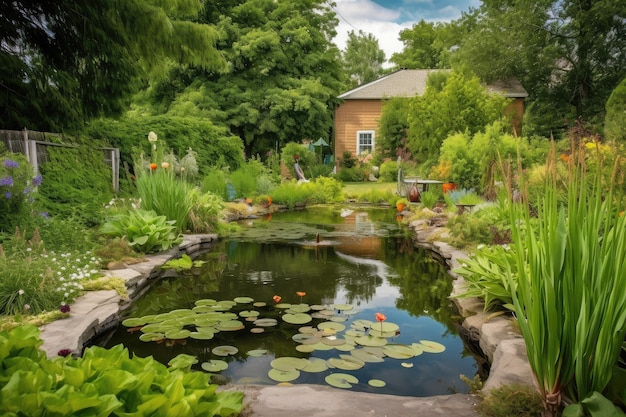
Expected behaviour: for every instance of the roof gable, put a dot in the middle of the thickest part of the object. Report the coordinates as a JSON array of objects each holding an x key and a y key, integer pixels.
[{"x": 412, "y": 82}]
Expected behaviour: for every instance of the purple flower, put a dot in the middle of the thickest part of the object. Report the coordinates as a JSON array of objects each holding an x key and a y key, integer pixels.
[
  {"x": 44, "y": 214},
  {"x": 8, "y": 181},
  {"x": 26, "y": 190},
  {"x": 37, "y": 180},
  {"x": 65, "y": 308},
  {"x": 8, "y": 163},
  {"x": 65, "y": 352},
  {"x": 7, "y": 195}
]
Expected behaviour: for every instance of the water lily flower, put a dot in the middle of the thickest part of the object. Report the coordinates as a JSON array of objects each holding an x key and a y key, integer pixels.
[
  {"x": 277, "y": 298},
  {"x": 153, "y": 166},
  {"x": 381, "y": 317},
  {"x": 300, "y": 294}
]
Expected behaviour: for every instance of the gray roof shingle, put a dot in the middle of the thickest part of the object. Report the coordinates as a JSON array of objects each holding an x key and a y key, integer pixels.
[{"x": 412, "y": 82}]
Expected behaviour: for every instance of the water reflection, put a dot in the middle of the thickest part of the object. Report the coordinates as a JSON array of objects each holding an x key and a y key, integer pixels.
[{"x": 374, "y": 266}]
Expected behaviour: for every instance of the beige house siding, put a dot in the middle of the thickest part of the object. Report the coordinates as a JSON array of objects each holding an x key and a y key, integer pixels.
[{"x": 353, "y": 116}]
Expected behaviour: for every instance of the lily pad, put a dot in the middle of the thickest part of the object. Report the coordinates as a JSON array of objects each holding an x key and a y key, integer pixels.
[
  {"x": 305, "y": 348},
  {"x": 333, "y": 341},
  {"x": 177, "y": 334},
  {"x": 202, "y": 335},
  {"x": 265, "y": 322},
  {"x": 406, "y": 364},
  {"x": 298, "y": 318},
  {"x": 397, "y": 351},
  {"x": 341, "y": 380},
  {"x": 344, "y": 307},
  {"x": 244, "y": 300},
  {"x": 299, "y": 308},
  {"x": 206, "y": 302},
  {"x": 134, "y": 322},
  {"x": 332, "y": 327},
  {"x": 370, "y": 341},
  {"x": 315, "y": 365},
  {"x": 259, "y": 304},
  {"x": 432, "y": 347},
  {"x": 224, "y": 350},
  {"x": 346, "y": 363},
  {"x": 214, "y": 365},
  {"x": 151, "y": 337},
  {"x": 289, "y": 363},
  {"x": 306, "y": 338},
  {"x": 249, "y": 313},
  {"x": 256, "y": 353},
  {"x": 377, "y": 383},
  {"x": 230, "y": 325},
  {"x": 307, "y": 329},
  {"x": 366, "y": 356},
  {"x": 282, "y": 305},
  {"x": 282, "y": 376},
  {"x": 257, "y": 330}
]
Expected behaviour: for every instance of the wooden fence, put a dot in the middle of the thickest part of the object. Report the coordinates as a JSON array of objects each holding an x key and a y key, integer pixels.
[{"x": 35, "y": 145}]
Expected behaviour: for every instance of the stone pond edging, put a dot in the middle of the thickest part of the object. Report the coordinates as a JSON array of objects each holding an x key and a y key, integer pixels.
[{"x": 99, "y": 311}]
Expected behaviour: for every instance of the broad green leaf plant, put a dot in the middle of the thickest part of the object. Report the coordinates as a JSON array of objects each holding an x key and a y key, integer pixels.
[
  {"x": 103, "y": 382},
  {"x": 571, "y": 292}
]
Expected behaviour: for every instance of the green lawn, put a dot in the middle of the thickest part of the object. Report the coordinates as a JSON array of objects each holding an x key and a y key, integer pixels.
[{"x": 356, "y": 188}]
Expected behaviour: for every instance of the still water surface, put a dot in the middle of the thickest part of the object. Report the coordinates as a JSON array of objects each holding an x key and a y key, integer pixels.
[{"x": 357, "y": 256}]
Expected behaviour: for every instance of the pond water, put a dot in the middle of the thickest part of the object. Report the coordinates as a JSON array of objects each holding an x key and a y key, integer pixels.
[{"x": 335, "y": 268}]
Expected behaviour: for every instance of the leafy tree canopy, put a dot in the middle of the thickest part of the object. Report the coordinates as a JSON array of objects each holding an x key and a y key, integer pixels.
[
  {"x": 283, "y": 77},
  {"x": 65, "y": 62},
  {"x": 362, "y": 59},
  {"x": 568, "y": 54},
  {"x": 615, "y": 121}
]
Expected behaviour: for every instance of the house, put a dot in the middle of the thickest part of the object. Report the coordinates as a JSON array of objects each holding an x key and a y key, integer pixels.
[{"x": 356, "y": 118}]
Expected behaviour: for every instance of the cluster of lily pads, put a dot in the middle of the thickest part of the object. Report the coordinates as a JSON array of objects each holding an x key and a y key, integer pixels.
[{"x": 363, "y": 342}]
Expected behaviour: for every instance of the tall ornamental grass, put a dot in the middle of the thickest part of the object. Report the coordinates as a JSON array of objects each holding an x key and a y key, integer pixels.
[
  {"x": 571, "y": 290},
  {"x": 160, "y": 191}
]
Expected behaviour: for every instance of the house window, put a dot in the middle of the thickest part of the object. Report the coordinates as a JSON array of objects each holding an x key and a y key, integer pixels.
[{"x": 364, "y": 141}]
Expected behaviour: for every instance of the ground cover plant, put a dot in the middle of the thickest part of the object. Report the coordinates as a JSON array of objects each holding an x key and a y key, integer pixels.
[{"x": 103, "y": 382}]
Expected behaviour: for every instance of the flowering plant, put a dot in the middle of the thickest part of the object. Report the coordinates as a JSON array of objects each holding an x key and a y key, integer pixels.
[{"x": 18, "y": 182}]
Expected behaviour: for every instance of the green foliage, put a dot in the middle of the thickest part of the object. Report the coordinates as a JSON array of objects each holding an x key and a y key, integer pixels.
[
  {"x": 388, "y": 171},
  {"x": 245, "y": 179},
  {"x": 160, "y": 191},
  {"x": 614, "y": 126},
  {"x": 34, "y": 280},
  {"x": 512, "y": 401},
  {"x": 213, "y": 145},
  {"x": 17, "y": 187},
  {"x": 58, "y": 78},
  {"x": 470, "y": 198},
  {"x": 305, "y": 157},
  {"x": 144, "y": 230},
  {"x": 429, "y": 198},
  {"x": 462, "y": 105},
  {"x": 347, "y": 160},
  {"x": 290, "y": 193},
  {"x": 374, "y": 196},
  {"x": 569, "y": 302},
  {"x": 596, "y": 405},
  {"x": 215, "y": 181},
  {"x": 324, "y": 190},
  {"x": 485, "y": 274},
  {"x": 205, "y": 211},
  {"x": 362, "y": 59},
  {"x": 103, "y": 382},
  {"x": 77, "y": 184},
  {"x": 354, "y": 174},
  {"x": 182, "y": 263}
]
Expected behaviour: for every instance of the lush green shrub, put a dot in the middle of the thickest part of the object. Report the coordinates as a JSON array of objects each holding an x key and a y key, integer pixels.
[
  {"x": 18, "y": 184},
  {"x": 145, "y": 231},
  {"x": 290, "y": 193},
  {"x": 77, "y": 184},
  {"x": 388, "y": 171},
  {"x": 469, "y": 229},
  {"x": 34, "y": 280},
  {"x": 429, "y": 198},
  {"x": 306, "y": 158},
  {"x": 103, "y": 382},
  {"x": 166, "y": 195},
  {"x": 377, "y": 196},
  {"x": 214, "y": 146},
  {"x": 323, "y": 190},
  {"x": 205, "y": 211},
  {"x": 215, "y": 181},
  {"x": 353, "y": 174}
]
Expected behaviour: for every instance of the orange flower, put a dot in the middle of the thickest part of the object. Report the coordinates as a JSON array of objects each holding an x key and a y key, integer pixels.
[
  {"x": 621, "y": 213},
  {"x": 300, "y": 293},
  {"x": 153, "y": 166},
  {"x": 564, "y": 158},
  {"x": 277, "y": 298},
  {"x": 381, "y": 317}
]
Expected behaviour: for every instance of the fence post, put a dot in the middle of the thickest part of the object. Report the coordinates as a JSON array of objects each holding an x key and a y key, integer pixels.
[
  {"x": 26, "y": 150},
  {"x": 32, "y": 154}
]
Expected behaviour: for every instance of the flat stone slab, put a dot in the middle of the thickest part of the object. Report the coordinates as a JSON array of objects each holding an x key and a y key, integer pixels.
[
  {"x": 322, "y": 401},
  {"x": 90, "y": 315}
]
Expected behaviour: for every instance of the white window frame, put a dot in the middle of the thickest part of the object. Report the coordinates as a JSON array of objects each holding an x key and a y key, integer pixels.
[{"x": 359, "y": 145}]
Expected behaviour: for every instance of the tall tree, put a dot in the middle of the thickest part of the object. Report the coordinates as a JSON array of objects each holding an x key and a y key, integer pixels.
[
  {"x": 362, "y": 59},
  {"x": 430, "y": 45},
  {"x": 283, "y": 79},
  {"x": 569, "y": 54},
  {"x": 64, "y": 62}
]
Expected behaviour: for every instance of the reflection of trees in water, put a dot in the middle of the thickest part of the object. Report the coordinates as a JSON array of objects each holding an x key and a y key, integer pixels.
[
  {"x": 423, "y": 282},
  {"x": 361, "y": 284}
]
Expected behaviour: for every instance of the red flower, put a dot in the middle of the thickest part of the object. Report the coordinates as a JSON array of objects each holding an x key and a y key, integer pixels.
[
  {"x": 277, "y": 298},
  {"x": 381, "y": 317},
  {"x": 153, "y": 166},
  {"x": 64, "y": 352}
]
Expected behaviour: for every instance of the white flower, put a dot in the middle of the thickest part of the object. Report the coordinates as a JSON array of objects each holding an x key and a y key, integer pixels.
[
  {"x": 21, "y": 292},
  {"x": 29, "y": 249},
  {"x": 152, "y": 137},
  {"x": 26, "y": 307},
  {"x": 66, "y": 295}
]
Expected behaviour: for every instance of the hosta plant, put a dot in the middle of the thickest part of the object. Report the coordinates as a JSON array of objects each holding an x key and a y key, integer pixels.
[
  {"x": 144, "y": 230},
  {"x": 103, "y": 382}
]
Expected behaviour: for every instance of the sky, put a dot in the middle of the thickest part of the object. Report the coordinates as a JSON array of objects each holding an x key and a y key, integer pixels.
[{"x": 386, "y": 18}]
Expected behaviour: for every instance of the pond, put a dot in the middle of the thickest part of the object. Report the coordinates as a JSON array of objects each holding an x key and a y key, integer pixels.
[{"x": 310, "y": 287}]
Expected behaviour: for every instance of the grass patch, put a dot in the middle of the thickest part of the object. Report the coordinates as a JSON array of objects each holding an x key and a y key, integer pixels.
[{"x": 354, "y": 189}]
